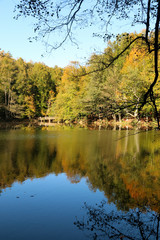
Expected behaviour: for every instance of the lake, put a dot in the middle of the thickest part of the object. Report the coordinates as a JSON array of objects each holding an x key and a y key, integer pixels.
[{"x": 78, "y": 184}]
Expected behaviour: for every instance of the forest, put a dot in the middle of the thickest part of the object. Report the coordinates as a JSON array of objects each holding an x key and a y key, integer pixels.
[{"x": 29, "y": 90}]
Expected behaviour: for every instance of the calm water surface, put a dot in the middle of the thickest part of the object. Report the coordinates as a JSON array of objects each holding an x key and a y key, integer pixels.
[{"x": 79, "y": 184}]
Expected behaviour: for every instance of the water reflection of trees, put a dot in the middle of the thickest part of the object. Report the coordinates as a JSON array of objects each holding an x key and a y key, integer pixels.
[
  {"x": 126, "y": 170},
  {"x": 136, "y": 224}
]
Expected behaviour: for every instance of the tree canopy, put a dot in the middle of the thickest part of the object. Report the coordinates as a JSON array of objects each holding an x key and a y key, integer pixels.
[
  {"x": 61, "y": 17},
  {"x": 30, "y": 90}
]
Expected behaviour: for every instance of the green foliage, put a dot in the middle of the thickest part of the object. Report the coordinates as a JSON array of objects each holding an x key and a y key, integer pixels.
[
  {"x": 68, "y": 103},
  {"x": 26, "y": 89},
  {"x": 29, "y": 90}
]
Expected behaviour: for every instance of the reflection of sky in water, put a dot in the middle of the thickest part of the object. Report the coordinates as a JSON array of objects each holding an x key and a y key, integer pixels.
[{"x": 44, "y": 208}]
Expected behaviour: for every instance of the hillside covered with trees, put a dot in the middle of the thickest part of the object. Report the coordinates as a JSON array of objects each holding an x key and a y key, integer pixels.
[{"x": 29, "y": 90}]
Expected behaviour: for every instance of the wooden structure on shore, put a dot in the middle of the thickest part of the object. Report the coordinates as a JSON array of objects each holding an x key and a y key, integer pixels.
[{"x": 47, "y": 121}]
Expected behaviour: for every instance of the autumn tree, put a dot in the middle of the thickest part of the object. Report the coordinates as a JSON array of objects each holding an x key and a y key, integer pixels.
[
  {"x": 135, "y": 73},
  {"x": 43, "y": 84},
  {"x": 26, "y": 89},
  {"x": 104, "y": 92},
  {"x": 61, "y": 17},
  {"x": 68, "y": 102},
  {"x": 8, "y": 70},
  {"x": 22, "y": 86}
]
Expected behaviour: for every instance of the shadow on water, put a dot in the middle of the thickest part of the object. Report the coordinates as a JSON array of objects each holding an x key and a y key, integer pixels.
[{"x": 136, "y": 224}]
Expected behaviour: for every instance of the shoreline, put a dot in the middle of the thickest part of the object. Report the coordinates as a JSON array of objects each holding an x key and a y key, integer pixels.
[{"x": 129, "y": 124}]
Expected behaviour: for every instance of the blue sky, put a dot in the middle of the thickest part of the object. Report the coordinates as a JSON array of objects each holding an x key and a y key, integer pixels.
[{"x": 15, "y": 34}]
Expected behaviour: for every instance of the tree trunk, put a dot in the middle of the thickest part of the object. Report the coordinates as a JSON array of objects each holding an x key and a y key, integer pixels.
[
  {"x": 119, "y": 117},
  {"x": 114, "y": 117}
]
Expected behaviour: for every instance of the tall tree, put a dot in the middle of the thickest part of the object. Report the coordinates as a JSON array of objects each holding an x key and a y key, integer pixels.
[
  {"x": 68, "y": 104},
  {"x": 8, "y": 70},
  {"x": 62, "y": 16}
]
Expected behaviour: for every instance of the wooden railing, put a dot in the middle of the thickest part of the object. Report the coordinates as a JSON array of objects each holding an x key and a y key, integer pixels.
[{"x": 47, "y": 120}]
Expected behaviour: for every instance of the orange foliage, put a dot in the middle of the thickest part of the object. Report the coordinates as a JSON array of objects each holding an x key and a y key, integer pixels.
[{"x": 135, "y": 59}]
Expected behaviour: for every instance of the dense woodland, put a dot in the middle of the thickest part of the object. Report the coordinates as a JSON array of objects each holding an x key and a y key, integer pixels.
[{"x": 29, "y": 90}]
